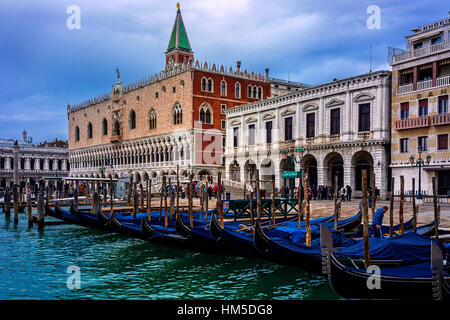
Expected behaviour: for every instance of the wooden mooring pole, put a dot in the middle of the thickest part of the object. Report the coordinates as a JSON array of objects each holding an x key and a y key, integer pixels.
[
  {"x": 177, "y": 212},
  {"x": 273, "y": 201},
  {"x": 374, "y": 197},
  {"x": 300, "y": 202},
  {"x": 149, "y": 199},
  {"x": 402, "y": 203},
  {"x": 166, "y": 216},
  {"x": 16, "y": 204},
  {"x": 7, "y": 199},
  {"x": 41, "y": 211},
  {"x": 258, "y": 197},
  {"x": 29, "y": 209},
  {"x": 437, "y": 210},
  {"x": 191, "y": 218},
  {"x": 365, "y": 206},
  {"x": 307, "y": 210},
  {"x": 219, "y": 197},
  {"x": 414, "y": 207},
  {"x": 335, "y": 195},
  {"x": 391, "y": 209}
]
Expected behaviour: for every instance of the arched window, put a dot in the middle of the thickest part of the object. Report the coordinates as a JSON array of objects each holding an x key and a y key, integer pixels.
[
  {"x": 152, "y": 119},
  {"x": 104, "y": 127},
  {"x": 237, "y": 91},
  {"x": 254, "y": 92},
  {"x": 249, "y": 91},
  {"x": 203, "y": 84},
  {"x": 89, "y": 131},
  {"x": 205, "y": 114},
  {"x": 177, "y": 114},
  {"x": 223, "y": 88},
  {"x": 77, "y": 133},
  {"x": 210, "y": 85},
  {"x": 117, "y": 128},
  {"x": 132, "y": 120},
  {"x": 260, "y": 93}
]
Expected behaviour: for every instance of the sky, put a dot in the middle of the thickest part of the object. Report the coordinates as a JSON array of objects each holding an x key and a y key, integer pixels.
[{"x": 44, "y": 65}]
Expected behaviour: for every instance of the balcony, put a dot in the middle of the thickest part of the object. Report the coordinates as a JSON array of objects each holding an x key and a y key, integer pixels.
[
  {"x": 440, "y": 119},
  {"x": 412, "y": 123},
  {"x": 443, "y": 81},
  {"x": 421, "y": 85},
  {"x": 405, "y": 88},
  {"x": 422, "y": 52}
]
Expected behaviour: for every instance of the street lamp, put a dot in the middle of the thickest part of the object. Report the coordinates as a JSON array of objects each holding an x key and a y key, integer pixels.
[
  {"x": 420, "y": 163},
  {"x": 294, "y": 160}
]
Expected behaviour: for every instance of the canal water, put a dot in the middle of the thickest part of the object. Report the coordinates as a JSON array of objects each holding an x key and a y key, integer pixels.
[{"x": 34, "y": 265}]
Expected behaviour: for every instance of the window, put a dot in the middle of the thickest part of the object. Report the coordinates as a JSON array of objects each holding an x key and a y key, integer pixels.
[
  {"x": 205, "y": 114},
  {"x": 423, "y": 107},
  {"x": 224, "y": 142},
  {"x": 269, "y": 132},
  {"x": 404, "y": 110},
  {"x": 443, "y": 104},
  {"x": 335, "y": 118},
  {"x": 210, "y": 85},
  {"x": 104, "y": 127},
  {"x": 152, "y": 119},
  {"x": 254, "y": 92},
  {"x": 223, "y": 124},
  {"x": 404, "y": 145},
  {"x": 223, "y": 108},
  {"x": 89, "y": 131},
  {"x": 364, "y": 117},
  {"x": 132, "y": 120},
  {"x": 156, "y": 95},
  {"x": 117, "y": 128},
  {"x": 203, "y": 84},
  {"x": 236, "y": 137},
  {"x": 422, "y": 143},
  {"x": 249, "y": 92},
  {"x": 174, "y": 89},
  {"x": 418, "y": 45},
  {"x": 310, "y": 125},
  {"x": 237, "y": 91},
  {"x": 259, "y": 93},
  {"x": 436, "y": 40},
  {"x": 288, "y": 128},
  {"x": 177, "y": 114},
  {"x": 77, "y": 133},
  {"x": 251, "y": 135},
  {"x": 223, "y": 88},
  {"x": 163, "y": 88},
  {"x": 442, "y": 141}
]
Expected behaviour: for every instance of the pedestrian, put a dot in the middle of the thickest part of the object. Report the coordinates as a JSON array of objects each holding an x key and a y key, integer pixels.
[
  {"x": 349, "y": 193},
  {"x": 343, "y": 194},
  {"x": 377, "y": 222}
]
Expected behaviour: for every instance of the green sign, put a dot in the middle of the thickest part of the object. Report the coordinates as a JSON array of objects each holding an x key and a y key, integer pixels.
[{"x": 291, "y": 174}]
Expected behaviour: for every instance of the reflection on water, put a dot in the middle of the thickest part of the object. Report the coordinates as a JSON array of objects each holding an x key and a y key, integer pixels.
[{"x": 33, "y": 265}]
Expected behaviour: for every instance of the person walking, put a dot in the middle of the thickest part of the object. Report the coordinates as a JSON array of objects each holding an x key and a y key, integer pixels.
[
  {"x": 343, "y": 194},
  {"x": 349, "y": 193}
]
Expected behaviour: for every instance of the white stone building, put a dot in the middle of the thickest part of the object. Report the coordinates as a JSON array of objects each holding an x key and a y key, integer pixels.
[
  {"x": 35, "y": 161},
  {"x": 343, "y": 127}
]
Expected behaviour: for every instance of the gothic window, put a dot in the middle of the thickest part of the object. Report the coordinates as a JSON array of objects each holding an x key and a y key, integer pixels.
[
  {"x": 105, "y": 126},
  {"x": 177, "y": 114},
  {"x": 254, "y": 92},
  {"x": 205, "y": 114},
  {"x": 260, "y": 93},
  {"x": 203, "y": 84},
  {"x": 152, "y": 120},
  {"x": 237, "y": 91},
  {"x": 223, "y": 88},
  {"x": 249, "y": 92},
  {"x": 89, "y": 131},
  {"x": 132, "y": 120},
  {"x": 210, "y": 85},
  {"x": 117, "y": 128},
  {"x": 77, "y": 133}
]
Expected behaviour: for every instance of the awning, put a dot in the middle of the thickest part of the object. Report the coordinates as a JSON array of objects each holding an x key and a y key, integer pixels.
[{"x": 427, "y": 36}]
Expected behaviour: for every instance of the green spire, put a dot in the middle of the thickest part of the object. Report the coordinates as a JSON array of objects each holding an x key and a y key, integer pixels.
[{"x": 179, "y": 38}]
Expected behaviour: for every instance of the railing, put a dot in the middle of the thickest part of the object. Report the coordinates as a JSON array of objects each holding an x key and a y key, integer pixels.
[
  {"x": 310, "y": 140},
  {"x": 443, "y": 81},
  {"x": 406, "y": 88},
  {"x": 233, "y": 184},
  {"x": 421, "y": 85},
  {"x": 412, "y": 123},
  {"x": 335, "y": 137},
  {"x": 440, "y": 119},
  {"x": 422, "y": 52},
  {"x": 364, "y": 134}
]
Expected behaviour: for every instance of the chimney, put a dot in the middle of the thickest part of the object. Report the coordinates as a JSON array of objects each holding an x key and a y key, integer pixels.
[
  {"x": 267, "y": 73},
  {"x": 238, "y": 66}
]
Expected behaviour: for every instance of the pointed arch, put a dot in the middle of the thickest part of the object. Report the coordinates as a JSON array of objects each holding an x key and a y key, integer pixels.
[
  {"x": 89, "y": 130},
  {"x": 152, "y": 119},
  {"x": 177, "y": 113},
  {"x": 205, "y": 113},
  {"x": 223, "y": 88},
  {"x": 132, "y": 120},
  {"x": 104, "y": 126},
  {"x": 237, "y": 90},
  {"x": 77, "y": 133}
]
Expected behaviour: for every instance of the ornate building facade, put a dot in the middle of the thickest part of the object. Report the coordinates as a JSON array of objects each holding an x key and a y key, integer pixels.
[
  {"x": 175, "y": 117},
  {"x": 420, "y": 110},
  {"x": 35, "y": 161},
  {"x": 343, "y": 127}
]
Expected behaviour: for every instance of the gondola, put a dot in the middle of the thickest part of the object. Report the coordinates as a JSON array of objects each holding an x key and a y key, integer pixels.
[
  {"x": 97, "y": 220},
  {"x": 417, "y": 281}
]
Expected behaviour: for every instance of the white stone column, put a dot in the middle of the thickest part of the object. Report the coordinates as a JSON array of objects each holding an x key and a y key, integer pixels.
[
  {"x": 378, "y": 112},
  {"x": 347, "y": 115}
]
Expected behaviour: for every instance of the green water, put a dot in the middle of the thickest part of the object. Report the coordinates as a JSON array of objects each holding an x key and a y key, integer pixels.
[{"x": 33, "y": 265}]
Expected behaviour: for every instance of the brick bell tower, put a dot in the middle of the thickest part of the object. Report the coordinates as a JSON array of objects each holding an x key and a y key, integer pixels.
[{"x": 179, "y": 49}]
